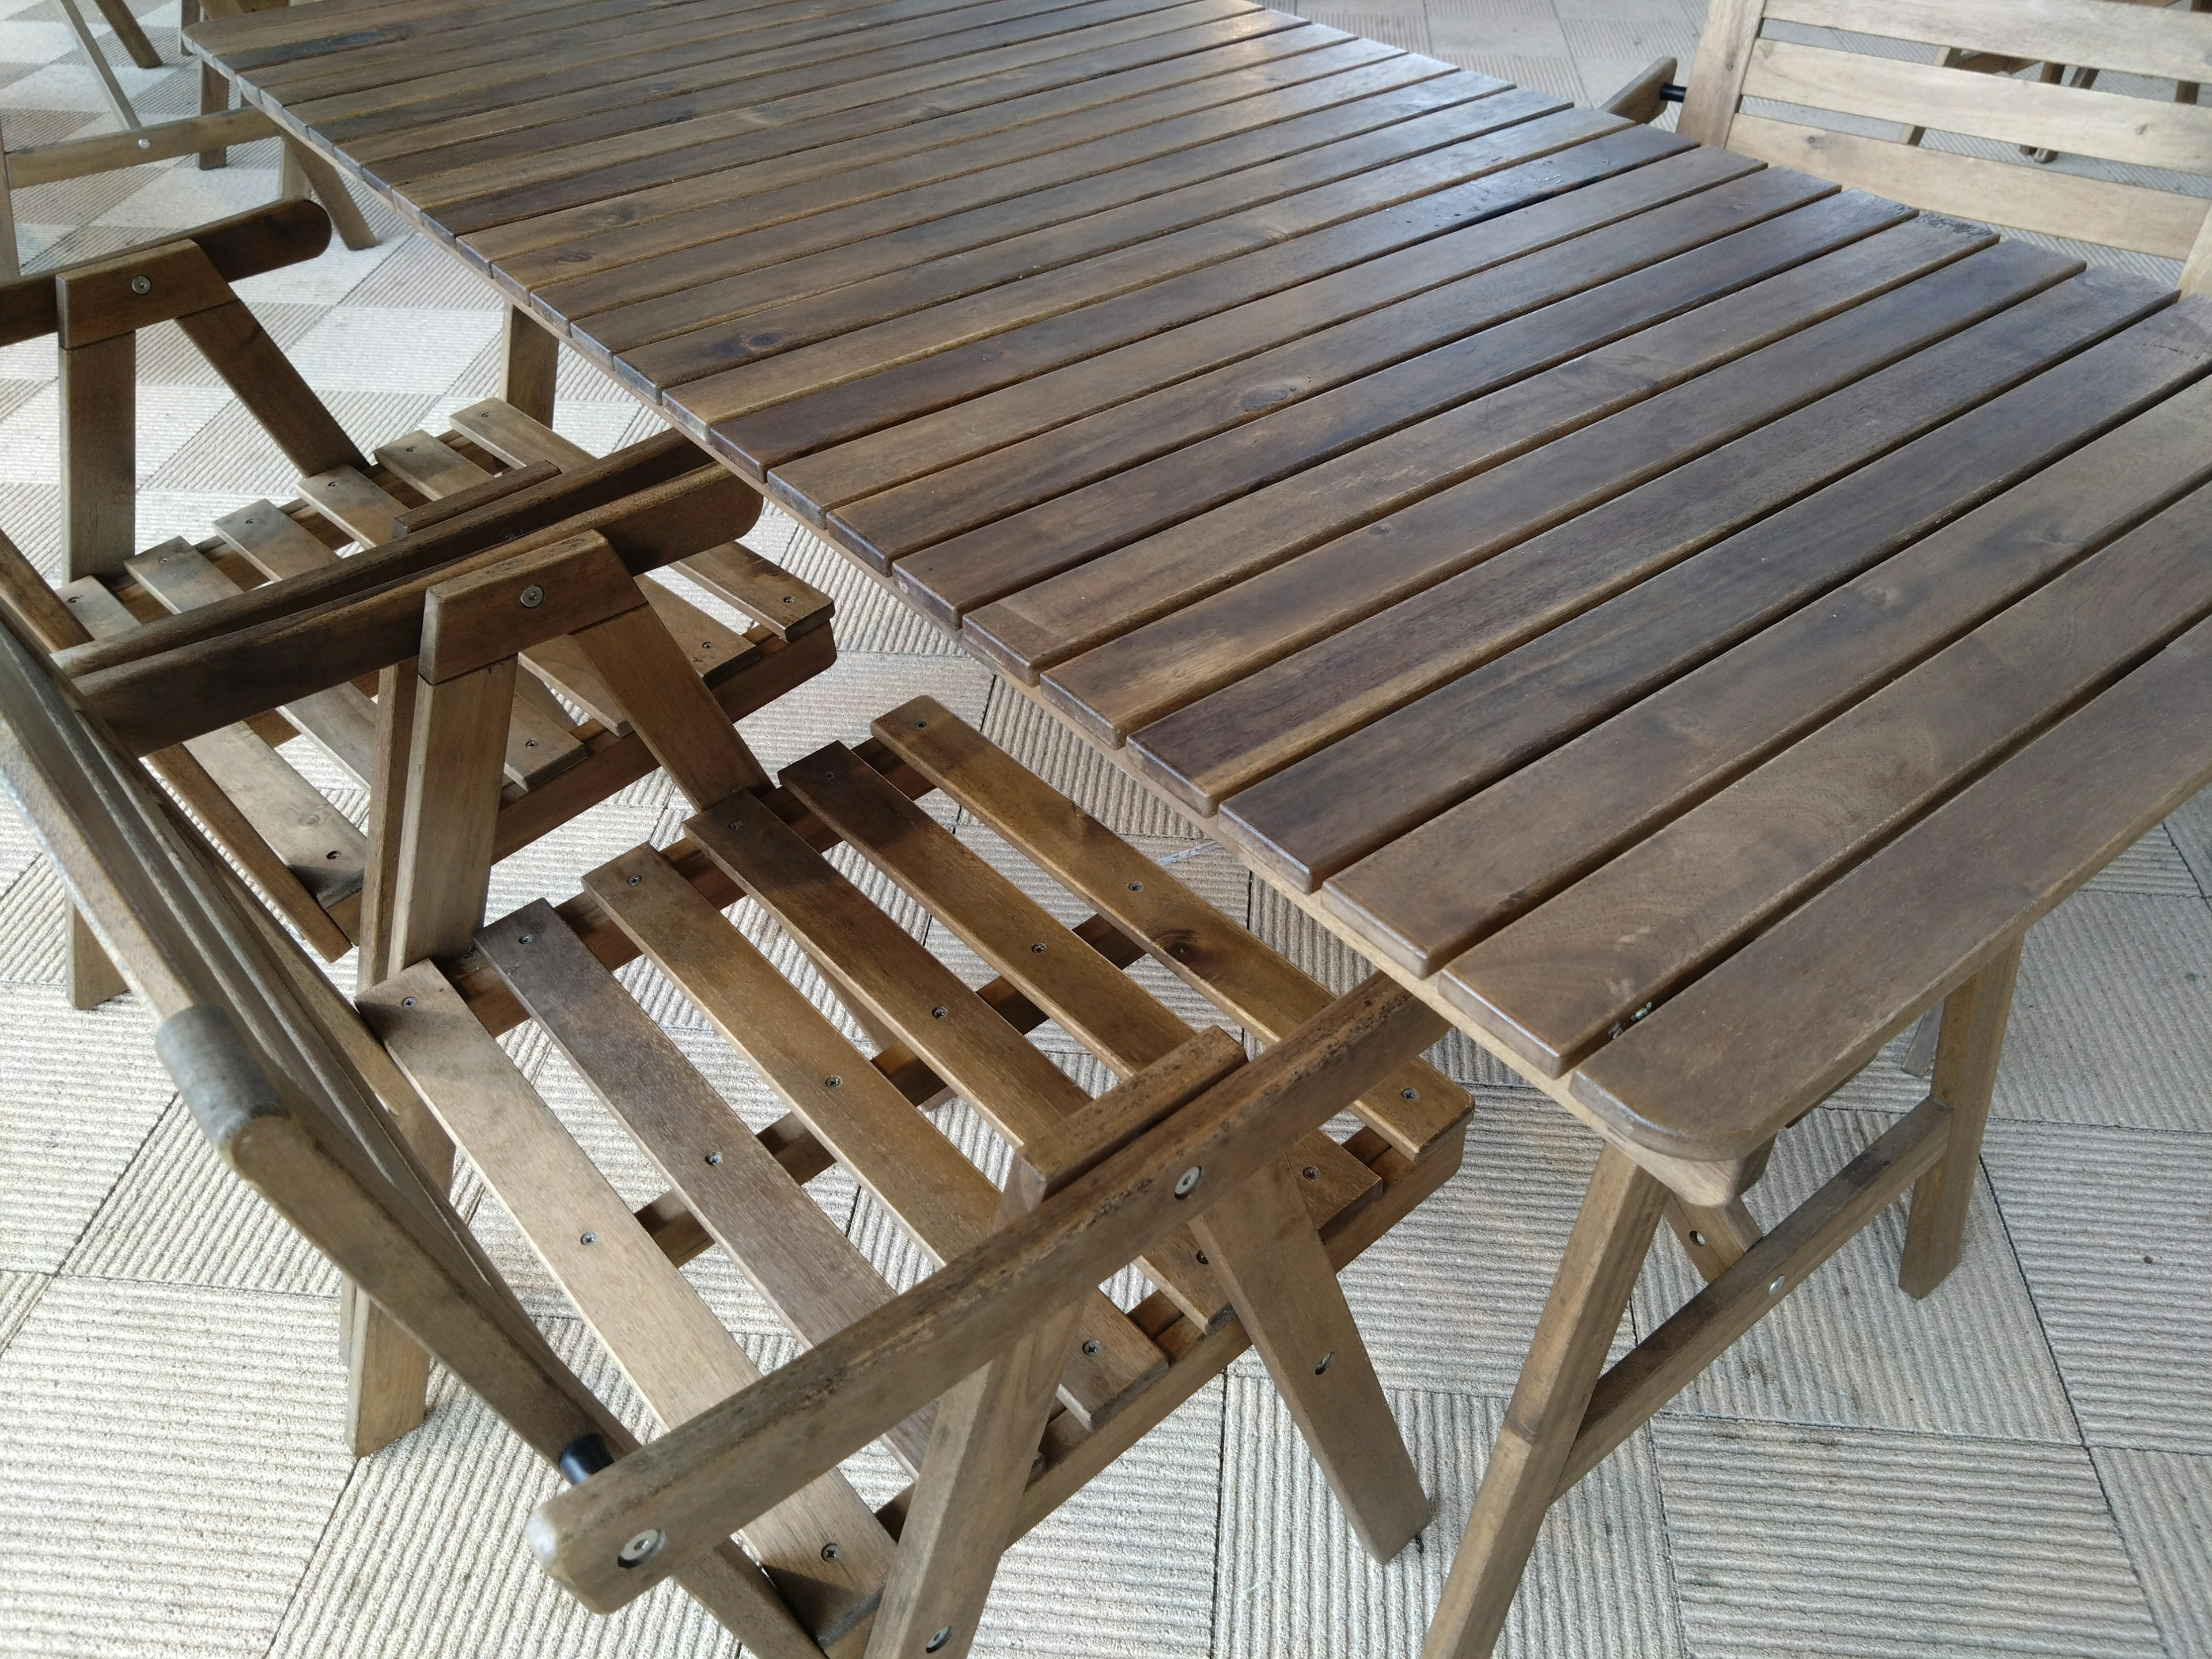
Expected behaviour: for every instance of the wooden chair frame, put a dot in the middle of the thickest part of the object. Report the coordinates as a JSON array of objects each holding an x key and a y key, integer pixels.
[
  {"x": 1965, "y": 90},
  {"x": 1210, "y": 1169}
]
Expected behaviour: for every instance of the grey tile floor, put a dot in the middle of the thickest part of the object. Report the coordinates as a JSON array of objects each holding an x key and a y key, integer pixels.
[{"x": 2021, "y": 1465}]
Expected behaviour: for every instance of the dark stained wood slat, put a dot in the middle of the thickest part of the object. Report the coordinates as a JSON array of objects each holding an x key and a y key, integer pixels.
[
  {"x": 1224, "y": 742},
  {"x": 1808, "y": 1003},
  {"x": 1300, "y": 403},
  {"x": 1066, "y": 615},
  {"x": 1028, "y": 276},
  {"x": 1254, "y": 293},
  {"x": 1320, "y": 815},
  {"x": 1144, "y": 675},
  {"x": 1261, "y": 297},
  {"x": 1183, "y": 108},
  {"x": 714, "y": 243},
  {"x": 1175, "y": 213},
  {"x": 602, "y": 155},
  {"x": 1616, "y": 783},
  {"x": 339, "y": 29},
  {"x": 562, "y": 174},
  {"x": 914, "y": 29},
  {"x": 1627, "y": 936}
]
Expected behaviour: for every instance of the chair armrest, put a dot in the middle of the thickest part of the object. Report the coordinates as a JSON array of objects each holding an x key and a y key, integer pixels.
[{"x": 1643, "y": 98}]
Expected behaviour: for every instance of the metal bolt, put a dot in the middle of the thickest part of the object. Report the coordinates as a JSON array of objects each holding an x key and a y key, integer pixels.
[
  {"x": 714, "y": 1158},
  {"x": 641, "y": 1548},
  {"x": 532, "y": 597},
  {"x": 633, "y": 880},
  {"x": 145, "y": 143},
  {"x": 1326, "y": 1360},
  {"x": 830, "y": 1552},
  {"x": 142, "y": 284},
  {"x": 589, "y": 1238},
  {"x": 833, "y": 1081},
  {"x": 1774, "y": 1285},
  {"x": 1697, "y": 1238},
  {"x": 1187, "y": 1183},
  {"x": 1409, "y": 1094},
  {"x": 944, "y": 1635},
  {"x": 1090, "y": 1345},
  {"x": 1311, "y": 1173}
]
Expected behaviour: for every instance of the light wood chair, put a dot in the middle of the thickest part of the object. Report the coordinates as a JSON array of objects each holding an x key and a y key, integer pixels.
[
  {"x": 1005, "y": 1379},
  {"x": 1967, "y": 86}
]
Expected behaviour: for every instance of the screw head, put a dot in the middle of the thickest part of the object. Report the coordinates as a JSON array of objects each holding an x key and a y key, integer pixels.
[
  {"x": 527, "y": 938},
  {"x": 830, "y": 1552},
  {"x": 1201, "y": 1257},
  {"x": 833, "y": 1081},
  {"x": 142, "y": 284},
  {"x": 641, "y": 1548},
  {"x": 1311, "y": 1173},
  {"x": 1090, "y": 1345},
  {"x": 714, "y": 1158},
  {"x": 1187, "y": 1183},
  {"x": 944, "y": 1635},
  {"x": 589, "y": 1238},
  {"x": 633, "y": 880},
  {"x": 1697, "y": 1238},
  {"x": 1409, "y": 1094},
  {"x": 1774, "y": 1285},
  {"x": 532, "y": 597},
  {"x": 1326, "y": 1360},
  {"x": 937, "y": 1014},
  {"x": 145, "y": 143},
  {"x": 407, "y": 1002},
  {"x": 1136, "y": 887},
  {"x": 1036, "y": 950}
]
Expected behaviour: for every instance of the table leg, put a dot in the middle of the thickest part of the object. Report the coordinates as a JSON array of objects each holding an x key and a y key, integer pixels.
[{"x": 1967, "y": 1055}]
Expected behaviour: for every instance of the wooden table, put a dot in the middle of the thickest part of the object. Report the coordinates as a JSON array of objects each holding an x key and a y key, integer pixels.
[{"x": 1683, "y": 620}]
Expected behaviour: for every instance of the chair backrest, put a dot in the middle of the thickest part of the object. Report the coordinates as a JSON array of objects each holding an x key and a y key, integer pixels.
[{"x": 1886, "y": 72}]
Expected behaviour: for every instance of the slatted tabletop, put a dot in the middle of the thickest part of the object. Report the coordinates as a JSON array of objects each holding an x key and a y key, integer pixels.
[{"x": 1681, "y": 617}]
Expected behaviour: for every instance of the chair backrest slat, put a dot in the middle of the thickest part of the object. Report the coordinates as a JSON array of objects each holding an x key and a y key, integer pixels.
[{"x": 1949, "y": 72}]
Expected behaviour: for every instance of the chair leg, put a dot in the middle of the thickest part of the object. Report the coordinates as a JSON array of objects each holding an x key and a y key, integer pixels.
[
  {"x": 530, "y": 363},
  {"x": 1613, "y": 1231},
  {"x": 11, "y": 260},
  {"x": 91, "y": 976},
  {"x": 1262, "y": 1244},
  {"x": 1714, "y": 1239},
  {"x": 304, "y": 172},
  {"x": 120, "y": 18},
  {"x": 1967, "y": 1055}
]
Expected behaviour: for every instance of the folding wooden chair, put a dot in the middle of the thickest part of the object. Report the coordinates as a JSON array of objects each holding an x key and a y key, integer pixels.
[
  {"x": 1005, "y": 1380},
  {"x": 1978, "y": 46}
]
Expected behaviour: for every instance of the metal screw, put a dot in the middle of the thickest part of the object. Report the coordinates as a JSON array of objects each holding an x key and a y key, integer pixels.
[
  {"x": 142, "y": 285},
  {"x": 641, "y": 1548},
  {"x": 1136, "y": 887},
  {"x": 1201, "y": 1258},
  {"x": 937, "y": 1013},
  {"x": 1090, "y": 1345},
  {"x": 830, "y": 1552},
  {"x": 532, "y": 597},
  {"x": 530, "y": 743},
  {"x": 528, "y": 938},
  {"x": 1187, "y": 1183},
  {"x": 1409, "y": 1094},
  {"x": 918, "y": 725},
  {"x": 1036, "y": 950},
  {"x": 1697, "y": 1238},
  {"x": 407, "y": 1002},
  {"x": 331, "y": 854},
  {"x": 1774, "y": 1285},
  {"x": 944, "y": 1635},
  {"x": 589, "y": 1238},
  {"x": 714, "y": 1158},
  {"x": 145, "y": 143},
  {"x": 1326, "y": 1360},
  {"x": 633, "y": 880},
  {"x": 833, "y": 1081},
  {"x": 1311, "y": 1173}
]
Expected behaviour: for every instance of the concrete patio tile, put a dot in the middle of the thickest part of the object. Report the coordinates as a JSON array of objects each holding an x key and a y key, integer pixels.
[
  {"x": 2163, "y": 1501},
  {"x": 1892, "y": 1546},
  {"x": 1070, "y": 764},
  {"x": 1849, "y": 1349},
  {"x": 180, "y": 1216},
  {"x": 33, "y": 920},
  {"x": 2110, "y": 1229},
  {"x": 18, "y": 1294},
  {"x": 1294, "y": 1579},
  {"x": 1449, "y": 1298},
  {"x": 172, "y": 1453},
  {"x": 2111, "y": 1022},
  {"x": 79, "y": 1096}
]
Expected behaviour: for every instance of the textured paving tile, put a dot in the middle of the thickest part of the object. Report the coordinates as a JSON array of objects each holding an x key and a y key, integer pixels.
[
  {"x": 1449, "y": 1298},
  {"x": 424, "y": 1554},
  {"x": 79, "y": 1093},
  {"x": 162, "y": 1498},
  {"x": 2115, "y": 1234},
  {"x": 1295, "y": 1580},
  {"x": 1850, "y": 1348},
  {"x": 1070, "y": 764},
  {"x": 1892, "y": 1546},
  {"x": 33, "y": 925},
  {"x": 18, "y": 1294},
  {"x": 180, "y": 1216},
  {"x": 2163, "y": 1502},
  {"x": 2111, "y": 1022}
]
